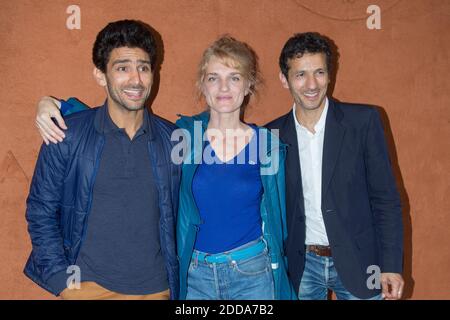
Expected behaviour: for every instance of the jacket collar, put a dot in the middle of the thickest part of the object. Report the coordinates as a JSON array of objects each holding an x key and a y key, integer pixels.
[
  {"x": 104, "y": 124},
  {"x": 187, "y": 122},
  {"x": 334, "y": 135}
]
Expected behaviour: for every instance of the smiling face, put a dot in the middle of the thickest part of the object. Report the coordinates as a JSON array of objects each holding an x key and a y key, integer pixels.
[
  {"x": 307, "y": 80},
  {"x": 128, "y": 78},
  {"x": 223, "y": 87}
]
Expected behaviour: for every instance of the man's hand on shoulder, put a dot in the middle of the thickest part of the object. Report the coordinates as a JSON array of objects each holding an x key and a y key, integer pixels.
[{"x": 48, "y": 108}]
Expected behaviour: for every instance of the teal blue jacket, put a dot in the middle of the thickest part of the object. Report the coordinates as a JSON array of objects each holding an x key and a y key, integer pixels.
[{"x": 273, "y": 211}]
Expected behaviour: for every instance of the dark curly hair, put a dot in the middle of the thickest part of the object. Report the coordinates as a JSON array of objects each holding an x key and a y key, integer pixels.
[
  {"x": 301, "y": 43},
  {"x": 123, "y": 33}
]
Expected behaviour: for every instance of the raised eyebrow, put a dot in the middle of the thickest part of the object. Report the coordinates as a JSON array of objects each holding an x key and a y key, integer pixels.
[
  {"x": 121, "y": 61},
  {"x": 128, "y": 61},
  {"x": 144, "y": 61},
  {"x": 316, "y": 70}
]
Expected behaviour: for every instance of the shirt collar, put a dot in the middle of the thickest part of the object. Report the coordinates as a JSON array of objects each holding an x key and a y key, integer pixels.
[
  {"x": 320, "y": 125},
  {"x": 107, "y": 125}
]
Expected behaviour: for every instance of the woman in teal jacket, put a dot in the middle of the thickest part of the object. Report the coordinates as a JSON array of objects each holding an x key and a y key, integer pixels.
[{"x": 230, "y": 237}]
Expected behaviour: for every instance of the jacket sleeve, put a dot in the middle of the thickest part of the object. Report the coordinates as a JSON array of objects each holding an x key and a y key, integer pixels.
[
  {"x": 72, "y": 105},
  {"x": 43, "y": 211},
  {"x": 384, "y": 198}
]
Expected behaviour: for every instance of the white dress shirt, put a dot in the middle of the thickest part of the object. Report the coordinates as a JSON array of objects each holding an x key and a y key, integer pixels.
[{"x": 310, "y": 149}]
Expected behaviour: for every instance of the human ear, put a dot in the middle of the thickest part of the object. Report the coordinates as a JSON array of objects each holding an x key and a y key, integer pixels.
[
  {"x": 100, "y": 77},
  {"x": 284, "y": 80}
]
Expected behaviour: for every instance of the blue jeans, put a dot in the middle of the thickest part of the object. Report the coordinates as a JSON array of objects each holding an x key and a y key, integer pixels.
[
  {"x": 246, "y": 279},
  {"x": 319, "y": 276}
]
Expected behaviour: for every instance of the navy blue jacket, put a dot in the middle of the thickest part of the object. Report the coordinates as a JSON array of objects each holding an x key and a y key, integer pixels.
[
  {"x": 360, "y": 203},
  {"x": 60, "y": 196}
]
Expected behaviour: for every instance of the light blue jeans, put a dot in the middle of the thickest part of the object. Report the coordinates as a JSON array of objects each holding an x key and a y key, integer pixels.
[
  {"x": 319, "y": 276},
  {"x": 246, "y": 279}
]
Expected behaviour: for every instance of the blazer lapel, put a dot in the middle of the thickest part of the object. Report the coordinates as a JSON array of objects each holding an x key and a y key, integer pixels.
[
  {"x": 288, "y": 135},
  {"x": 334, "y": 134}
]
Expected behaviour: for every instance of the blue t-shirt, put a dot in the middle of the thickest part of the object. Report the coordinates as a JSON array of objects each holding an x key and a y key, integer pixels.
[{"x": 228, "y": 196}]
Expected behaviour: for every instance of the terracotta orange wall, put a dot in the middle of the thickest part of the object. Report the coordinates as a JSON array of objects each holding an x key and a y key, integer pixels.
[{"x": 403, "y": 68}]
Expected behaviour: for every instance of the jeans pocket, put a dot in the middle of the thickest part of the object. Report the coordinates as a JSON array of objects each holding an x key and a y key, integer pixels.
[{"x": 253, "y": 266}]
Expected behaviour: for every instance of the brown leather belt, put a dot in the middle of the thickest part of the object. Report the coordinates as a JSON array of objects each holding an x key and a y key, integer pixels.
[{"x": 323, "y": 251}]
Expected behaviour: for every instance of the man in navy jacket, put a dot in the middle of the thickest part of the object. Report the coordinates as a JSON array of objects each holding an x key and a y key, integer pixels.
[
  {"x": 343, "y": 209},
  {"x": 102, "y": 204}
]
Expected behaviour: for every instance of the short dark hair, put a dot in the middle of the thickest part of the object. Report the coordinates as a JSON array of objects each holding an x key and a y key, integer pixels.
[
  {"x": 123, "y": 33},
  {"x": 301, "y": 43}
]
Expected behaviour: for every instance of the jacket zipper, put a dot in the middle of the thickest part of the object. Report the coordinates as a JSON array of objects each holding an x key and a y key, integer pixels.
[{"x": 91, "y": 191}]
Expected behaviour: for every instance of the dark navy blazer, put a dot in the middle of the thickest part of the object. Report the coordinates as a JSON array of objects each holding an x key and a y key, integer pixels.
[{"x": 360, "y": 202}]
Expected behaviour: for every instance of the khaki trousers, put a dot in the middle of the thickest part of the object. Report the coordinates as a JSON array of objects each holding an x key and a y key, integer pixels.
[{"x": 92, "y": 291}]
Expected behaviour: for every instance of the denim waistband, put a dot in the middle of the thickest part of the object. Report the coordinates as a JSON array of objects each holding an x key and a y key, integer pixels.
[{"x": 235, "y": 254}]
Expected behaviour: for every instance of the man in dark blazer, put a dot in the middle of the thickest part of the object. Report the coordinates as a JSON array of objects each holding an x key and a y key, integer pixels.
[{"x": 345, "y": 230}]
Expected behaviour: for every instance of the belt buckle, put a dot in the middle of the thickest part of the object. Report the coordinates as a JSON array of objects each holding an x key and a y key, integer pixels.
[{"x": 317, "y": 250}]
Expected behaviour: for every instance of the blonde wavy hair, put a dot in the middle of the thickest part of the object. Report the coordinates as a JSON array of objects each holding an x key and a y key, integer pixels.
[{"x": 234, "y": 54}]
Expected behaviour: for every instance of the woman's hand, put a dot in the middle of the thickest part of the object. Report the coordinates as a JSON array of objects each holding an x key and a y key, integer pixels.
[{"x": 47, "y": 109}]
